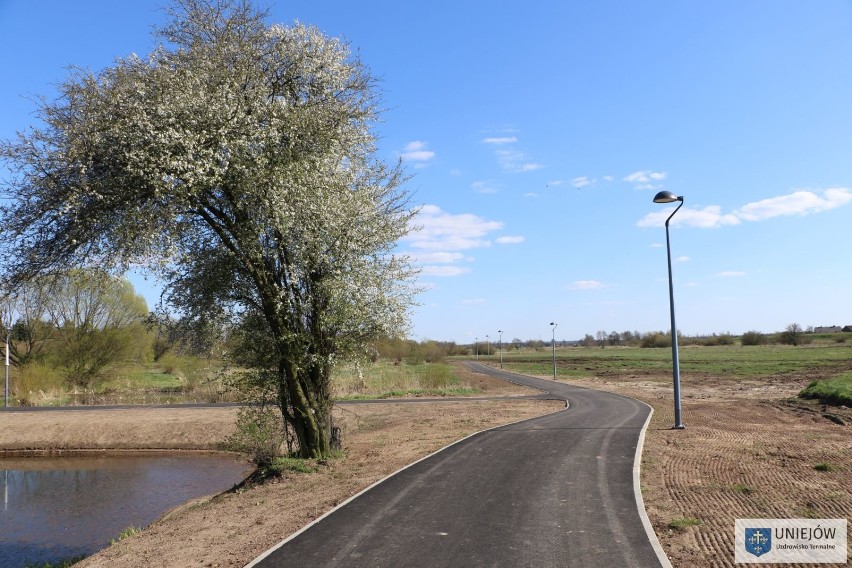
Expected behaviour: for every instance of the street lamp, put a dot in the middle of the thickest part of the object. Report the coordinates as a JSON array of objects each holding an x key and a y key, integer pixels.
[
  {"x": 553, "y": 344},
  {"x": 476, "y": 342},
  {"x": 500, "y": 331},
  {"x": 487, "y": 345},
  {"x": 669, "y": 197},
  {"x": 6, "y": 392}
]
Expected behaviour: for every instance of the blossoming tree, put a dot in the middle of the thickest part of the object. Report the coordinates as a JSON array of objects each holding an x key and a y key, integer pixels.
[{"x": 238, "y": 161}]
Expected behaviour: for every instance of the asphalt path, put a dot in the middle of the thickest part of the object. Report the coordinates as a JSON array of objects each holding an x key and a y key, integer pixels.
[{"x": 558, "y": 490}]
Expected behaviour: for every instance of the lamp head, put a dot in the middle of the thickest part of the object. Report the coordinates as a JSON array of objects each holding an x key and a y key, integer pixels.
[{"x": 666, "y": 197}]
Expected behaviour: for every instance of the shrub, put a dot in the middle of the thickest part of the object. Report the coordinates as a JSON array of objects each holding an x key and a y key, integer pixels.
[
  {"x": 720, "y": 339},
  {"x": 436, "y": 376},
  {"x": 753, "y": 338},
  {"x": 259, "y": 435},
  {"x": 658, "y": 340}
]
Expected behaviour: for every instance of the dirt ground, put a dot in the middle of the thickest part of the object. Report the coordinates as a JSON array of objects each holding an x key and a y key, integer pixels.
[{"x": 748, "y": 451}]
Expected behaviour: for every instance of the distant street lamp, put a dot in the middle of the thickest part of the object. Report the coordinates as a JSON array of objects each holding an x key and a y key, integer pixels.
[
  {"x": 501, "y": 347},
  {"x": 669, "y": 197},
  {"x": 476, "y": 342},
  {"x": 553, "y": 344},
  {"x": 487, "y": 345}
]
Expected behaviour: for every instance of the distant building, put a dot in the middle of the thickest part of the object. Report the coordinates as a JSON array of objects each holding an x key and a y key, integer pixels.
[
  {"x": 847, "y": 329},
  {"x": 831, "y": 329}
]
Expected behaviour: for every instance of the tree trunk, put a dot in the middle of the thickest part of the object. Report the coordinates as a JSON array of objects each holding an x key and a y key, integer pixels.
[{"x": 309, "y": 425}]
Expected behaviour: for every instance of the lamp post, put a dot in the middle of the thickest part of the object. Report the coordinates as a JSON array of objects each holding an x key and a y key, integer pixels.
[
  {"x": 476, "y": 342},
  {"x": 669, "y": 197},
  {"x": 487, "y": 345},
  {"x": 6, "y": 392},
  {"x": 8, "y": 332},
  {"x": 500, "y": 331},
  {"x": 553, "y": 345}
]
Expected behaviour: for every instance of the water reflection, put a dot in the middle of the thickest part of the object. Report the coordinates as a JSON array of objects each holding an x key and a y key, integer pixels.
[{"x": 56, "y": 508}]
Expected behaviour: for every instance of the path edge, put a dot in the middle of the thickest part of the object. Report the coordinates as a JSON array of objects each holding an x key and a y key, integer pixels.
[{"x": 637, "y": 493}]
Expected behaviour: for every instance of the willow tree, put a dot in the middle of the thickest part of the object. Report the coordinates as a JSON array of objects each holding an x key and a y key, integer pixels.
[{"x": 238, "y": 160}]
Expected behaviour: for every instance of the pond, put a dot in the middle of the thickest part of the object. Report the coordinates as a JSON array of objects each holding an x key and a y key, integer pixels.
[{"x": 56, "y": 508}]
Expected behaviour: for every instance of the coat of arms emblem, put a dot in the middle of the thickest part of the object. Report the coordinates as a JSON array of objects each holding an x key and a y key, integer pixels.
[{"x": 758, "y": 541}]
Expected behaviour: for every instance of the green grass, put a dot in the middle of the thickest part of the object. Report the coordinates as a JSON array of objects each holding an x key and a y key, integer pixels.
[
  {"x": 743, "y": 488},
  {"x": 143, "y": 379},
  {"x": 681, "y": 525},
  {"x": 297, "y": 465},
  {"x": 730, "y": 361},
  {"x": 126, "y": 533},
  {"x": 836, "y": 391},
  {"x": 387, "y": 380},
  {"x": 822, "y": 466}
]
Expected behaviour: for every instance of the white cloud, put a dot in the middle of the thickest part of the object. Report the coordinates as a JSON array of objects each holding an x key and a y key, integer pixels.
[
  {"x": 682, "y": 259},
  {"x": 511, "y": 160},
  {"x": 730, "y": 274},
  {"x": 707, "y": 218},
  {"x": 710, "y": 217},
  {"x": 500, "y": 140},
  {"x": 439, "y": 230},
  {"x": 443, "y": 270},
  {"x": 530, "y": 167},
  {"x": 657, "y": 245},
  {"x": 483, "y": 187},
  {"x": 509, "y": 240},
  {"x": 796, "y": 203},
  {"x": 555, "y": 183},
  {"x": 417, "y": 152},
  {"x": 608, "y": 178},
  {"x": 439, "y": 236},
  {"x": 530, "y": 194},
  {"x": 586, "y": 285},
  {"x": 582, "y": 181},
  {"x": 645, "y": 177},
  {"x": 436, "y": 257}
]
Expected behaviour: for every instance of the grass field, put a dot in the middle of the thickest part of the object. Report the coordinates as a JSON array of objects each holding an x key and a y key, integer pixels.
[
  {"x": 192, "y": 380},
  {"x": 733, "y": 362},
  {"x": 836, "y": 391},
  {"x": 174, "y": 380}
]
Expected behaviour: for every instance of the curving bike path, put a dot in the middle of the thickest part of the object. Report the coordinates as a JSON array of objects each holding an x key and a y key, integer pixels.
[{"x": 558, "y": 490}]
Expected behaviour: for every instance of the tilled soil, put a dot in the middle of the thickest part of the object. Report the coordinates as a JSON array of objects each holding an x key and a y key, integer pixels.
[{"x": 749, "y": 450}]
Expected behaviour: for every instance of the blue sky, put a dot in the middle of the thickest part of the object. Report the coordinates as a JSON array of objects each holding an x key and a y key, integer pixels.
[{"x": 538, "y": 133}]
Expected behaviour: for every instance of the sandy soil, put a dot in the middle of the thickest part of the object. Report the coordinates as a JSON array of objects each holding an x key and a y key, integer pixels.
[{"x": 749, "y": 450}]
